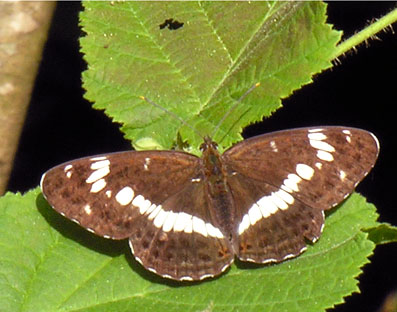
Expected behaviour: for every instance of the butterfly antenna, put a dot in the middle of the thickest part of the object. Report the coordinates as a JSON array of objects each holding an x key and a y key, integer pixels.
[
  {"x": 170, "y": 113},
  {"x": 234, "y": 106}
]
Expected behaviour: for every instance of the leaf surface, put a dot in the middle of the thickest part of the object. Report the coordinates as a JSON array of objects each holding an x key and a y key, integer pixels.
[
  {"x": 49, "y": 263},
  {"x": 198, "y": 71}
]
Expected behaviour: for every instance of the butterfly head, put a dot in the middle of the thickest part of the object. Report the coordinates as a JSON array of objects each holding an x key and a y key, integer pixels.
[{"x": 208, "y": 144}]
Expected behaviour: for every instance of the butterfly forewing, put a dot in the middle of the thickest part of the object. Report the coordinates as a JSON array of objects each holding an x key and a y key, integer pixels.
[
  {"x": 187, "y": 217},
  {"x": 319, "y": 166}
]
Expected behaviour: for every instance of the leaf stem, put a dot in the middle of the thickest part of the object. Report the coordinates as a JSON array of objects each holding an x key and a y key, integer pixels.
[{"x": 366, "y": 33}]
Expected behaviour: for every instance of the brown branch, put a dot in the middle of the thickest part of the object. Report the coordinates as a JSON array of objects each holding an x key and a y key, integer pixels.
[{"x": 23, "y": 32}]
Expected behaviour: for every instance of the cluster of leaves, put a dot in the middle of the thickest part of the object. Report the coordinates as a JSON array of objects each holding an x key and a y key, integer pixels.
[
  {"x": 198, "y": 71},
  {"x": 51, "y": 264},
  {"x": 195, "y": 71}
]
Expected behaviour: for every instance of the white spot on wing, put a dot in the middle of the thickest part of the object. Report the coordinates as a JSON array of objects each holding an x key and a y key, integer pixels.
[
  {"x": 98, "y": 158},
  {"x": 244, "y": 224},
  {"x": 150, "y": 209},
  {"x": 227, "y": 265},
  {"x": 154, "y": 212},
  {"x": 67, "y": 171},
  {"x": 278, "y": 201},
  {"x": 100, "y": 164},
  {"x": 213, "y": 231},
  {"x": 169, "y": 222},
  {"x": 98, "y": 174},
  {"x": 254, "y": 214},
  {"x": 286, "y": 197},
  {"x": 166, "y": 276},
  {"x": 146, "y": 164},
  {"x": 302, "y": 249},
  {"x": 348, "y": 139},
  {"x": 267, "y": 206},
  {"x": 270, "y": 260},
  {"x": 206, "y": 276},
  {"x": 160, "y": 218},
  {"x": 87, "y": 209},
  {"x": 139, "y": 201},
  {"x": 289, "y": 256},
  {"x": 317, "y": 136},
  {"x": 320, "y": 145},
  {"x": 108, "y": 193},
  {"x": 132, "y": 248},
  {"x": 143, "y": 204},
  {"x": 304, "y": 171},
  {"x": 98, "y": 186},
  {"x": 189, "y": 226},
  {"x": 273, "y": 146},
  {"x": 316, "y": 130},
  {"x": 181, "y": 221},
  {"x": 68, "y": 167},
  {"x": 186, "y": 278},
  {"x": 292, "y": 182},
  {"x": 125, "y": 196},
  {"x": 342, "y": 175},
  {"x": 286, "y": 188},
  {"x": 323, "y": 155},
  {"x": 199, "y": 226}
]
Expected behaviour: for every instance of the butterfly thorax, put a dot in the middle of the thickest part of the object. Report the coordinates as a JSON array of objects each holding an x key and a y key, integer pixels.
[{"x": 217, "y": 189}]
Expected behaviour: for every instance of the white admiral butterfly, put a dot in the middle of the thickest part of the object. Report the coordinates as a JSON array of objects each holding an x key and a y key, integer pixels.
[{"x": 187, "y": 218}]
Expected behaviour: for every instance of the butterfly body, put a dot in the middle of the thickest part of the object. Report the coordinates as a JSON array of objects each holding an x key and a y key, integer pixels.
[
  {"x": 187, "y": 218},
  {"x": 215, "y": 175}
]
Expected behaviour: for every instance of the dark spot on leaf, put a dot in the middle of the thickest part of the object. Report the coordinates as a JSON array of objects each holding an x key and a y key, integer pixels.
[{"x": 171, "y": 24}]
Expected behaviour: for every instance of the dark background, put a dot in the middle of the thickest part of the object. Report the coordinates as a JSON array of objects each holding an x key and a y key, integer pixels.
[{"x": 359, "y": 92}]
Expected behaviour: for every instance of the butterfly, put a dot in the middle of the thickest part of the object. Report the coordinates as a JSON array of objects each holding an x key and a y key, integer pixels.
[{"x": 189, "y": 217}]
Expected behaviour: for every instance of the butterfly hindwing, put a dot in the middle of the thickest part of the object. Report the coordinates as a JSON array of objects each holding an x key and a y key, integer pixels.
[
  {"x": 275, "y": 226},
  {"x": 189, "y": 248}
]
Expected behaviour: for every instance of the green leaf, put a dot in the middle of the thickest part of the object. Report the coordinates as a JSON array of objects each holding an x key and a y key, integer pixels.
[
  {"x": 383, "y": 234},
  {"x": 48, "y": 263},
  {"x": 198, "y": 71}
]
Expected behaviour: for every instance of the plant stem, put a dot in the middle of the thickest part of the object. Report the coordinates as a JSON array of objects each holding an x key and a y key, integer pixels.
[{"x": 366, "y": 33}]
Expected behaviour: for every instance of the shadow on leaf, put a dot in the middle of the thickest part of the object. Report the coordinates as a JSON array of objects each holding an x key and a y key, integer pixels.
[{"x": 78, "y": 234}]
